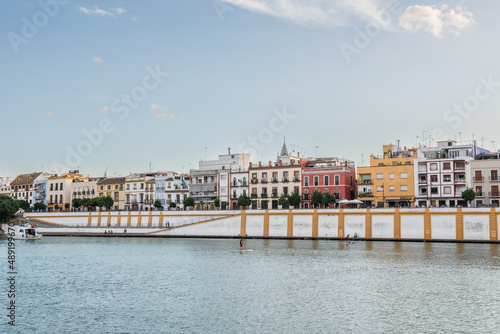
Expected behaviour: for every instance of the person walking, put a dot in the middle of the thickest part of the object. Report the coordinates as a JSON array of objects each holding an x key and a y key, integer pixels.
[{"x": 241, "y": 245}]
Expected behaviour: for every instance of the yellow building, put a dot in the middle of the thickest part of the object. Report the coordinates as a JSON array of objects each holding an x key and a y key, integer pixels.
[
  {"x": 389, "y": 180},
  {"x": 115, "y": 188},
  {"x": 59, "y": 190}
]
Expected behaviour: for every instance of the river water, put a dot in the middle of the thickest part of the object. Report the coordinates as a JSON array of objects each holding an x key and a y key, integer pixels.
[{"x": 149, "y": 285}]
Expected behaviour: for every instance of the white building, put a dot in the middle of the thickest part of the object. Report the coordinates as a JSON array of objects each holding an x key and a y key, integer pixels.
[
  {"x": 135, "y": 191},
  {"x": 5, "y": 188},
  {"x": 22, "y": 187},
  {"x": 442, "y": 173},
  {"x": 172, "y": 188}
]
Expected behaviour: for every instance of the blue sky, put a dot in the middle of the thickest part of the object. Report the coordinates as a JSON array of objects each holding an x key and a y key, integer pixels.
[{"x": 345, "y": 76}]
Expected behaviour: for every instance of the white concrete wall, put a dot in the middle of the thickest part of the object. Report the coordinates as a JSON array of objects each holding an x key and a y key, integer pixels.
[
  {"x": 382, "y": 226},
  {"x": 302, "y": 226},
  {"x": 224, "y": 227},
  {"x": 476, "y": 227},
  {"x": 328, "y": 226},
  {"x": 443, "y": 227},
  {"x": 255, "y": 226},
  {"x": 412, "y": 227},
  {"x": 278, "y": 226},
  {"x": 354, "y": 224}
]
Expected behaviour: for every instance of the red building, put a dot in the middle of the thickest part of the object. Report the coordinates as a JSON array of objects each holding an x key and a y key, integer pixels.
[{"x": 327, "y": 175}]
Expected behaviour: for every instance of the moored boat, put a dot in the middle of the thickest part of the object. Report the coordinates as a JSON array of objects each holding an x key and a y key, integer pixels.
[{"x": 23, "y": 231}]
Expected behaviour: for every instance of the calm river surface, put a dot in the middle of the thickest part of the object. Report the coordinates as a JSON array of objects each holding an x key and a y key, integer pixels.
[{"x": 134, "y": 285}]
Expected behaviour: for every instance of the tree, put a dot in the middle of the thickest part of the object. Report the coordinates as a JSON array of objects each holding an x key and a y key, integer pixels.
[
  {"x": 93, "y": 202},
  {"x": 468, "y": 195},
  {"x": 244, "y": 201},
  {"x": 8, "y": 208},
  {"x": 76, "y": 202},
  {"x": 217, "y": 203},
  {"x": 106, "y": 202},
  {"x": 172, "y": 205},
  {"x": 39, "y": 206},
  {"x": 22, "y": 204},
  {"x": 294, "y": 199},
  {"x": 56, "y": 206},
  {"x": 283, "y": 201},
  {"x": 157, "y": 204},
  {"x": 316, "y": 198},
  {"x": 85, "y": 202},
  {"x": 66, "y": 206},
  {"x": 188, "y": 202},
  {"x": 328, "y": 199}
]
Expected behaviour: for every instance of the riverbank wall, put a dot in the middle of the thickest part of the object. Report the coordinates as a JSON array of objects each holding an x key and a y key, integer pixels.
[{"x": 444, "y": 224}]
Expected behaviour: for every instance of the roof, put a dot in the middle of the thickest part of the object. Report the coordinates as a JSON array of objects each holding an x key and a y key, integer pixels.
[
  {"x": 111, "y": 180},
  {"x": 25, "y": 178},
  {"x": 284, "y": 150}
]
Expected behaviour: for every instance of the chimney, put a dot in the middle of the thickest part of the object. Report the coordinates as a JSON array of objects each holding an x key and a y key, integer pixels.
[
  {"x": 281, "y": 163},
  {"x": 229, "y": 150},
  {"x": 270, "y": 163},
  {"x": 260, "y": 164}
]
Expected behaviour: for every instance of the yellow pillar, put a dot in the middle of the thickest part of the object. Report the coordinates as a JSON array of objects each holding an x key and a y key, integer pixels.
[
  {"x": 243, "y": 227},
  {"x": 139, "y": 219},
  {"x": 397, "y": 224},
  {"x": 341, "y": 223},
  {"x": 160, "y": 223},
  {"x": 89, "y": 223},
  {"x": 150, "y": 220},
  {"x": 266, "y": 224},
  {"x": 289, "y": 229},
  {"x": 493, "y": 224},
  {"x": 315, "y": 224},
  {"x": 129, "y": 218},
  {"x": 368, "y": 224},
  {"x": 427, "y": 224},
  {"x": 99, "y": 219},
  {"x": 460, "y": 224},
  {"x": 109, "y": 218},
  {"x": 118, "y": 219}
]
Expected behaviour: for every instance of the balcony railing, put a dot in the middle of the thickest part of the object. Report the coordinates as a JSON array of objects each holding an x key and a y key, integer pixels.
[
  {"x": 366, "y": 181},
  {"x": 285, "y": 179},
  {"x": 365, "y": 194},
  {"x": 296, "y": 179},
  {"x": 460, "y": 180},
  {"x": 264, "y": 181},
  {"x": 274, "y": 180},
  {"x": 263, "y": 195},
  {"x": 478, "y": 179},
  {"x": 494, "y": 194},
  {"x": 479, "y": 193},
  {"x": 494, "y": 178},
  {"x": 274, "y": 195},
  {"x": 253, "y": 195},
  {"x": 254, "y": 181}
]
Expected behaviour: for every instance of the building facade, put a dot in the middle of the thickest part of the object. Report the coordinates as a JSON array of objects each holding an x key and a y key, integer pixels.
[
  {"x": 327, "y": 175},
  {"x": 388, "y": 181},
  {"x": 135, "y": 191},
  {"x": 60, "y": 190},
  {"x": 115, "y": 188},
  {"x": 23, "y": 186},
  {"x": 485, "y": 180}
]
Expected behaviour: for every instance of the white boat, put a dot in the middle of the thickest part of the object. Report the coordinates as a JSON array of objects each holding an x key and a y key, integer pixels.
[{"x": 23, "y": 232}]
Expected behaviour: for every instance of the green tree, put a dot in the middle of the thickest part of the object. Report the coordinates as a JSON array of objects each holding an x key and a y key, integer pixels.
[
  {"x": 172, "y": 205},
  {"x": 8, "y": 208},
  {"x": 283, "y": 201},
  {"x": 244, "y": 201},
  {"x": 157, "y": 204},
  {"x": 22, "y": 204},
  {"x": 105, "y": 201},
  {"x": 316, "y": 198},
  {"x": 66, "y": 206},
  {"x": 56, "y": 206},
  {"x": 468, "y": 195},
  {"x": 85, "y": 202},
  {"x": 328, "y": 199},
  {"x": 39, "y": 206},
  {"x": 94, "y": 202},
  {"x": 217, "y": 203},
  {"x": 188, "y": 202},
  {"x": 76, "y": 203},
  {"x": 294, "y": 199}
]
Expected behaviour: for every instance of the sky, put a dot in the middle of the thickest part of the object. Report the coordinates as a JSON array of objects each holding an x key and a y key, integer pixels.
[{"x": 134, "y": 86}]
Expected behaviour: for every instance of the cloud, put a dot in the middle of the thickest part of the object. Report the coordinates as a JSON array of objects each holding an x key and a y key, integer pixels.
[
  {"x": 49, "y": 114},
  {"x": 96, "y": 11},
  {"x": 320, "y": 12},
  {"x": 155, "y": 106},
  {"x": 172, "y": 117},
  {"x": 105, "y": 109},
  {"x": 435, "y": 20},
  {"x": 98, "y": 60},
  {"x": 159, "y": 115}
]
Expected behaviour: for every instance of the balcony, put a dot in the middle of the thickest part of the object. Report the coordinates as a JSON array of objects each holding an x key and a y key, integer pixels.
[
  {"x": 254, "y": 181},
  {"x": 264, "y": 181},
  {"x": 274, "y": 180},
  {"x": 422, "y": 181},
  {"x": 478, "y": 179},
  {"x": 366, "y": 181},
  {"x": 479, "y": 193},
  {"x": 460, "y": 180},
  {"x": 494, "y": 178},
  {"x": 274, "y": 195},
  {"x": 296, "y": 179},
  {"x": 366, "y": 194},
  {"x": 263, "y": 195},
  {"x": 253, "y": 196},
  {"x": 285, "y": 179},
  {"x": 494, "y": 193},
  {"x": 306, "y": 197}
]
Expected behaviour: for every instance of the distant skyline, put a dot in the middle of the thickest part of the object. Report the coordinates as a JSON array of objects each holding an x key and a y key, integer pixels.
[{"x": 122, "y": 85}]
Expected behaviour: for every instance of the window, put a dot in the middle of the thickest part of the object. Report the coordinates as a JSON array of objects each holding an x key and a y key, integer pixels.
[
  {"x": 434, "y": 178},
  {"x": 434, "y": 190},
  {"x": 447, "y": 178},
  {"x": 327, "y": 180},
  {"x": 391, "y": 188},
  {"x": 446, "y": 166},
  {"x": 447, "y": 190},
  {"x": 391, "y": 176},
  {"x": 285, "y": 191},
  {"x": 380, "y": 176},
  {"x": 494, "y": 190},
  {"x": 316, "y": 180},
  {"x": 403, "y": 175},
  {"x": 404, "y": 187},
  {"x": 306, "y": 181},
  {"x": 434, "y": 166},
  {"x": 380, "y": 188},
  {"x": 337, "y": 180},
  {"x": 479, "y": 191}
]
